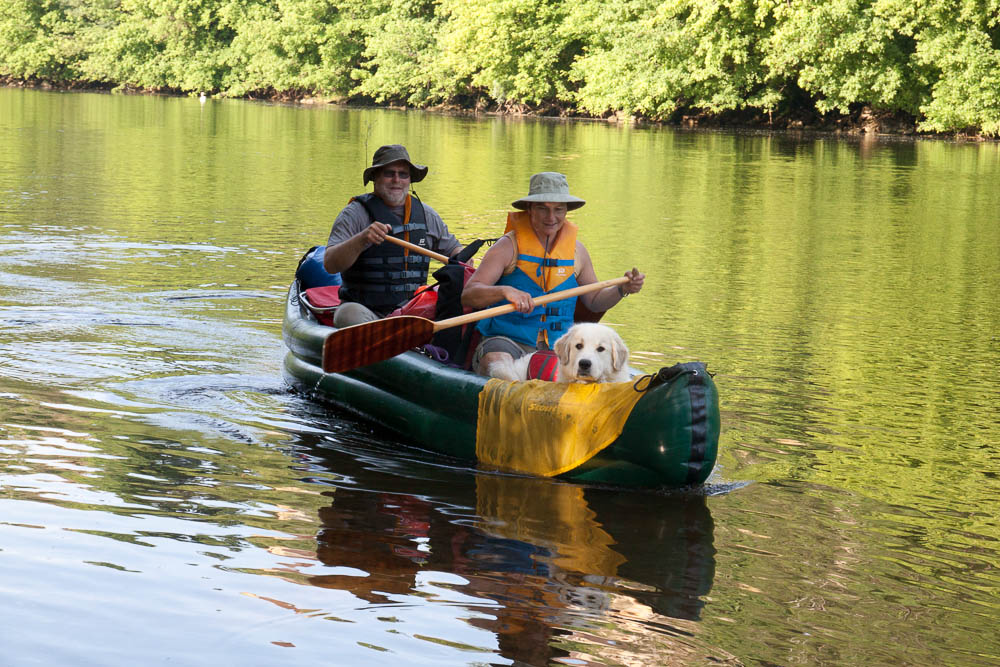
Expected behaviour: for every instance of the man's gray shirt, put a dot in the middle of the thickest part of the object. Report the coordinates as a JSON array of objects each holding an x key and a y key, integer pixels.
[{"x": 354, "y": 218}]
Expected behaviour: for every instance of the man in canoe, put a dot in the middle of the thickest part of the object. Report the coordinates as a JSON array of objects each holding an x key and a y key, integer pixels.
[
  {"x": 537, "y": 255},
  {"x": 380, "y": 276}
]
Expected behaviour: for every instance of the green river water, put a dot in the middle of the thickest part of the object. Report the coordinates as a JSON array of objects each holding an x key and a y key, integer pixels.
[{"x": 166, "y": 498}]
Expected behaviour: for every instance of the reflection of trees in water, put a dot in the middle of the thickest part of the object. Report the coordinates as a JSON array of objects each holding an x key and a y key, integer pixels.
[{"x": 562, "y": 571}]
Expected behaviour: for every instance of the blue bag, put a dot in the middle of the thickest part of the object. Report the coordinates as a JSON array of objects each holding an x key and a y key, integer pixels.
[{"x": 311, "y": 272}]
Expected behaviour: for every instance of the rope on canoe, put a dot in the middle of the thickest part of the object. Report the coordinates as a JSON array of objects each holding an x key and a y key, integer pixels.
[{"x": 667, "y": 374}]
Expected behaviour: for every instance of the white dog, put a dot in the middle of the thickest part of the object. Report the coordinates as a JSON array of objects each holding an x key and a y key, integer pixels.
[{"x": 588, "y": 352}]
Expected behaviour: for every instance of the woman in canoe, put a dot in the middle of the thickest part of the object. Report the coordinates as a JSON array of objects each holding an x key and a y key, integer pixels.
[{"x": 538, "y": 254}]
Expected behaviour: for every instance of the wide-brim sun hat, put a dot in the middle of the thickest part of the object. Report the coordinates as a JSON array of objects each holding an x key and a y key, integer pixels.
[
  {"x": 549, "y": 186},
  {"x": 394, "y": 153}
]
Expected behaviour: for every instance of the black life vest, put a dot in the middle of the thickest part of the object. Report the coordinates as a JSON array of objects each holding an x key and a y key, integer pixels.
[{"x": 386, "y": 275}]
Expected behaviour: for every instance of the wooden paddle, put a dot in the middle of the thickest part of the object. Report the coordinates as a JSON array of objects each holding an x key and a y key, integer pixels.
[
  {"x": 415, "y": 248},
  {"x": 371, "y": 342}
]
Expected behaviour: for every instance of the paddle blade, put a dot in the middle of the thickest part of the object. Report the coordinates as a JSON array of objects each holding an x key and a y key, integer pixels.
[{"x": 371, "y": 342}]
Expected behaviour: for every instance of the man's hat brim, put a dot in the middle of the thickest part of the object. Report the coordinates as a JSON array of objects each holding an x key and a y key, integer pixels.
[{"x": 386, "y": 155}]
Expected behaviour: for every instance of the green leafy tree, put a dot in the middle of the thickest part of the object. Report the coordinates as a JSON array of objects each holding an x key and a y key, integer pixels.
[
  {"x": 962, "y": 45},
  {"x": 50, "y": 39},
  {"x": 292, "y": 45},
  {"x": 938, "y": 60},
  {"x": 399, "y": 61},
  {"x": 846, "y": 52},
  {"x": 161, "y": 44},
  {"x": 651, "y": 58},
  {"x": 510, "y": 51}
]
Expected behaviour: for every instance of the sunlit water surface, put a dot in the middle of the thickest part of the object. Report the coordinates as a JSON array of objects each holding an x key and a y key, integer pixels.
[{"x": 165, "y": 497}]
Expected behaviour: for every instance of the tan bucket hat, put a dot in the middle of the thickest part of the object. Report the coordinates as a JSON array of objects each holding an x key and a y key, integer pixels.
[
  {"x": 394, "y": 153},
  {"x": 549, "y": 186}
]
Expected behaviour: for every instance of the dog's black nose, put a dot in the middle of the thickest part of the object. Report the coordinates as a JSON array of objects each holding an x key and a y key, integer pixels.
[{"x": 584, "y": 364}]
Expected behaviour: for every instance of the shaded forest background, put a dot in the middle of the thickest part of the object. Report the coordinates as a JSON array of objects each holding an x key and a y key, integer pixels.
[{"x": 930, "y": 65}]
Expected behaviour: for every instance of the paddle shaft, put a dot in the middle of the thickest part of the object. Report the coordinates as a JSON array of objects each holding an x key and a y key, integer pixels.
[
  {"x": 415, "y": 248},
  {"x": 371, "y": 342},
  {"x": 538, "y": 301}
]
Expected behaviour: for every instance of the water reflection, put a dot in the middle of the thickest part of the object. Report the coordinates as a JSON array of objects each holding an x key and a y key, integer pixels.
[{"x": 555, "y": 571}]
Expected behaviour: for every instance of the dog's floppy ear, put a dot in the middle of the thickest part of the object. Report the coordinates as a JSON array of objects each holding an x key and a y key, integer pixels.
[
  {"x": 619, "y": 352},
  {"x": 562, "y": 348}
]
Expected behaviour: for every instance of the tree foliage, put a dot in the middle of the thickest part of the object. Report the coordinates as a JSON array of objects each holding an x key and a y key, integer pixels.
[
  {"x": 938, "y": 60},
  {"x": 516, "y": 51},
  {"x": 401, "y": 57},
  {"x": 652, "y": 58}
]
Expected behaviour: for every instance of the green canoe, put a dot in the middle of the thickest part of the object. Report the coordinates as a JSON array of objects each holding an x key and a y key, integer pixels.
[{"x": 668, "y": 440}]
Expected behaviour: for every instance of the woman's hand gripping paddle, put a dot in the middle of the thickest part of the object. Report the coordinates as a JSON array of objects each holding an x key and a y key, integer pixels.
[{"x": 371, "y": 342}]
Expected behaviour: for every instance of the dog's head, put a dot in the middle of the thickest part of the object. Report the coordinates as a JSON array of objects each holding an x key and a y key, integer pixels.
[{"x": 590, "y": 352}]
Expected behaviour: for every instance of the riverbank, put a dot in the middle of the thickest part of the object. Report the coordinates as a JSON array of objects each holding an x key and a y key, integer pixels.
[{"x": 864, "y": 121}]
